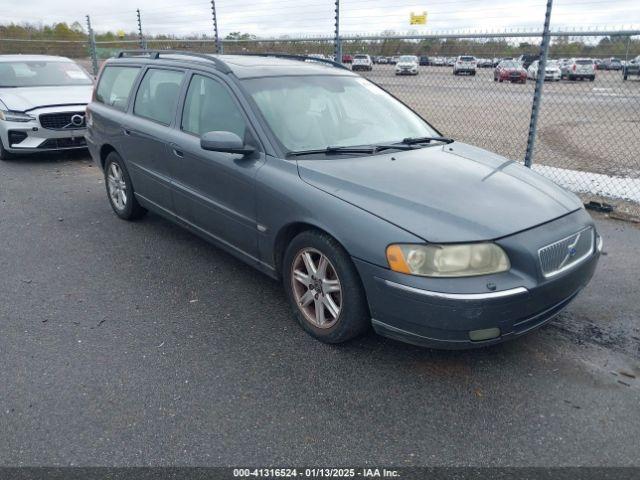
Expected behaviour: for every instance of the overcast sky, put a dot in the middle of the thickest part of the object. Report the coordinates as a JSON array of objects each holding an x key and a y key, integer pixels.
[{"x": 313, "y": 17}]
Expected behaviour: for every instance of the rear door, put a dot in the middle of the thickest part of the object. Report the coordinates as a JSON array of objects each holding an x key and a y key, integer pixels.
[
  {"x": 215, "y": 191},
  {"x": 146, "y": 131}
]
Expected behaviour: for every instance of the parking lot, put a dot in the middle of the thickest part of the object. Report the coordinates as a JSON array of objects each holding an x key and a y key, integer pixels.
[
  {"x": 140, "y": 344},
  {"x": 586, "y": 126}
]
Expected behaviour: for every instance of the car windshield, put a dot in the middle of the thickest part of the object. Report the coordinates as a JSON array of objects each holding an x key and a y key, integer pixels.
[
  {"x": 314, "y": 112},
  {"x": 407, "y": 58},
  {"x": 41, "y": 73},
  {"x": 360, "y": 57},
  {"x": 467, "y": 59},
  {"x": 511, "y": 64},
  {"x": 584, "y": 62}
]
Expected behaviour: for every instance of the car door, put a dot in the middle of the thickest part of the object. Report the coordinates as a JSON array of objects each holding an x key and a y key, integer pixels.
[
  {"x": 146, "y": 130},
  {"x": 215, "y": 191}
]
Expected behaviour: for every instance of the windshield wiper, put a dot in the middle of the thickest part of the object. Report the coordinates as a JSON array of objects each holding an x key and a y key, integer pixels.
[
  {"x": 332, "y": 150},
  {"x": 415, "y": 140}
]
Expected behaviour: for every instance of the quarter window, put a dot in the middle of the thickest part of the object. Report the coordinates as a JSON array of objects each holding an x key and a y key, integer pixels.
[
  {"x": 115, "y": 86},
  {"x": 157, "y": 96},
  {"x": 210, "y": 107}
]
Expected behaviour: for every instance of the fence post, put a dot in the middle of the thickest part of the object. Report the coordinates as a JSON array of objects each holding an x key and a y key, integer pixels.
[
  {"x": 537, "y": 95},
  {"x": 337, "y": 42},
  {"x": 141, "y": 42},
  {"x": 215, "y": 27},
  {"x": 92, "y": 47}
]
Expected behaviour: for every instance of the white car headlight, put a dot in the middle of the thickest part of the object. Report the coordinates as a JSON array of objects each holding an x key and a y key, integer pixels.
[
  {"x": 460, "y": 260},
  {"x": 10, "y": 116}
]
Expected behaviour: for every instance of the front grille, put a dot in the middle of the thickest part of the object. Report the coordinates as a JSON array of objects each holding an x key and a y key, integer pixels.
[
  {"x": 61, "y": 121},
  {"x": 566, "y": 253}
]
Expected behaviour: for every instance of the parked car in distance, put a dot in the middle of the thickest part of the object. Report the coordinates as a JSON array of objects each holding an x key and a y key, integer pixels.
[
  {"x": 465, "y": 64},
  {"x": 631, "y": 68},
  {"x": 439, "y": 62},
  {"x": 527, "y": 59},
  {"x": 383, "y": 60},
  {"x": 407, "y": 65},
  {"x": 42, "y": 104},
  {"x": 510, "y": 71},
  {"x": 424, "y": 61},
  {"x": 370, "y": 218},
  {"x": 578, "y": 68},
  {"x": 611, "y": 64},
  {"x": 346, "y": 58},
  {"x": 552, "y": 70},
  {"x": 393, "y": 60},
  {"x": 361, "y": 62}
]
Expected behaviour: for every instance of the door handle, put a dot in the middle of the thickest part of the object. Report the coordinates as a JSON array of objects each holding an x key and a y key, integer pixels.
[
  {"x": 126, "y": 131},
  {"x": 176, "y": 150}
]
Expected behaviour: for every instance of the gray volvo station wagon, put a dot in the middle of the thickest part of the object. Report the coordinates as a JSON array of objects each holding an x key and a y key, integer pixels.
[{"x": 320, "y": 178}]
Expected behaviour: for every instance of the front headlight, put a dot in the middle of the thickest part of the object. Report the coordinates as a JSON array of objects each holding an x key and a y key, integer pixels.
[
  {"x": 461, "y": 260},
  {"x": 10, "y": 116}
]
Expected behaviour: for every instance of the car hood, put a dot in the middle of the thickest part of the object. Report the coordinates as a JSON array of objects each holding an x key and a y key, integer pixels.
[
  {"x": 23, "y": 99},
  {"x": 455, "y": 193}
]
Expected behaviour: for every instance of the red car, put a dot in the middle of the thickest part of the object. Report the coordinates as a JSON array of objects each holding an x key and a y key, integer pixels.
[
  {"x": 510, "y": 71},
  {"x": 346, "y": 58}
]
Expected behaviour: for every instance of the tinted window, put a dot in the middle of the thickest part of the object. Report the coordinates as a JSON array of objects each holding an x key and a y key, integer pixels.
[
  {"x": 158, "y": 95},
  {"x": 467, "y": 59},
  {"x": 115, "y": 86},
  {"x": 584, "y": 62},
  {"x": 210, "y": 107}
]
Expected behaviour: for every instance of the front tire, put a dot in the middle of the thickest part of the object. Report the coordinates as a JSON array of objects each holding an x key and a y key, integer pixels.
[
  {"x": 324, "y": 289},
  {"x": 4, "y": 155},
  {"x": 120, "y": 189}
]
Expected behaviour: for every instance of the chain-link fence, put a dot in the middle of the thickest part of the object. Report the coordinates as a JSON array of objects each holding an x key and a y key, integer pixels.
[{"x": 588, "y": 127}]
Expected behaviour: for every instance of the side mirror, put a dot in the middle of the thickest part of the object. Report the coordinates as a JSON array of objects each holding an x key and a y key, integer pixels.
[{"x": 227, "y": 142}]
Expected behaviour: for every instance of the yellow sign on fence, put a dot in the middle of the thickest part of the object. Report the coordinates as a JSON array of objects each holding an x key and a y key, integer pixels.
[{"x": 418, "y": 18}]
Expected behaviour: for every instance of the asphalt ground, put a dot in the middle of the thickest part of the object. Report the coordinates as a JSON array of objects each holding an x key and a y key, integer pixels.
[{"x": 140, "y": 344}]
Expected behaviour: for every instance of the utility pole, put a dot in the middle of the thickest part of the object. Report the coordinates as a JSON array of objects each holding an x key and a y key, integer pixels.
[
  {"x": 92, "y": 47},
  {"x": 218, "y": 45},
  {"x": 537, "y": 95},
  {"x": 337, "y": 43},
  {"x": 141, "y": 42}
]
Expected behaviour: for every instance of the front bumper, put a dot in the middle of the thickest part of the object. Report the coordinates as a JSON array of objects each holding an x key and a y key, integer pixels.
[
  {"x": 403, "y": 71},
  {"x": 448, "y": 313},
  {"x": 32, "y": 137}
]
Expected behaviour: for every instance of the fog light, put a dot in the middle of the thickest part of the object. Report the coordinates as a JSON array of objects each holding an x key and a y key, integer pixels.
[{"x": 486, "y": 334}]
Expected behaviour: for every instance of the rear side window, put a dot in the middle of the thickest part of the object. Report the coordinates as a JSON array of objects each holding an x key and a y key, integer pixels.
[
  {"x": 115, "y": 86},
  {"x": 157, "y": 96},
  {"x": 210, "y": 107}
]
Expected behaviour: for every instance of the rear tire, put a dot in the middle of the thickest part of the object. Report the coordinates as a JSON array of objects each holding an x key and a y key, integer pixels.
[
  {"x": 327, "y": 281},
  {"x": 120, "y": 189}
]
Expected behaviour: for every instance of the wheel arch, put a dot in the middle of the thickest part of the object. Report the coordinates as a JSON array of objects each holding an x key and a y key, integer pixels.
[
  {"x": 287, "y": 233},
  {"x": 105, "y": 150}
]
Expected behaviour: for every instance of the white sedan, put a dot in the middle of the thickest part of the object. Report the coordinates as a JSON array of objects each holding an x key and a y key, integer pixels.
[{"x": 551, "y": 72}]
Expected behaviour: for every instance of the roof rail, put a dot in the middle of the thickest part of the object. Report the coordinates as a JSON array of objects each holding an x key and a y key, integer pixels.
[
  {"x": 302, "y": 58},
  {"x": 155, "y": 54}
]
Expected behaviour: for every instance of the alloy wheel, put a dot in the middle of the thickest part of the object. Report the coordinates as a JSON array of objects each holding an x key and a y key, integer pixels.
[
  {"x": 316, "y": 288},
  {"x": 117, "y": 186}
]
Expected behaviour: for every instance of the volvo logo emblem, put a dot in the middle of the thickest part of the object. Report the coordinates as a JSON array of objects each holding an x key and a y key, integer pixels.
[
  {"x": 571, "y": 250},
  {"x": 77, "y": 120}
]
